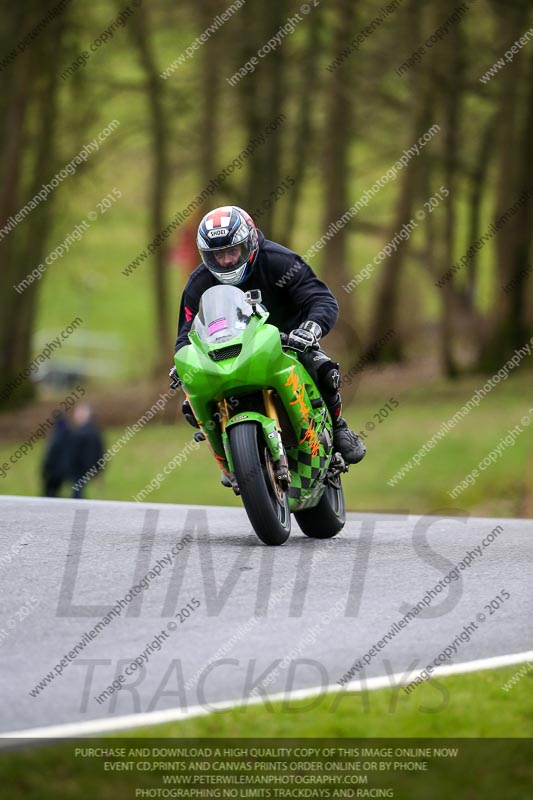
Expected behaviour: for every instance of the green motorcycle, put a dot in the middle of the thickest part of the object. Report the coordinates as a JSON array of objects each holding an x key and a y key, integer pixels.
[{"x": 263, "y": 417}]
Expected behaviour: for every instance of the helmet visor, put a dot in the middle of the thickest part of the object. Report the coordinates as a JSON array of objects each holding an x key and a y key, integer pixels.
[{"x": 223, "y": 260}]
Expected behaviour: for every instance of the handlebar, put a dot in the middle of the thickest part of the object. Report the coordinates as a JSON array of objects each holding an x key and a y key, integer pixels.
[{"x": 284, "y": 338}]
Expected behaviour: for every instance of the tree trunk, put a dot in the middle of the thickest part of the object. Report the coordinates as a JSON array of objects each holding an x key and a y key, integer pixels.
[
  {"x": 338, "y": 136},
  {"x": 515, "y": 174},
  {"x": 305, "y": 126},
  {"x": 386, "y": 311},
  {"x": 211, "y": 76},
  {"x": 478, "y": 187},
  {"x": 160, "y": 171},
  {"x": 453, "y": 90},
  {"x": 512, "y": 329},
  {"x": 262, "y": 96},
  {"x": 30, "y": 108}
]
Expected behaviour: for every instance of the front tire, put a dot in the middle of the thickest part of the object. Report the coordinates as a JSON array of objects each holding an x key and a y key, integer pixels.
[
  {"x": 266, "y": 505},
  {"x": 327, "y": 518}
]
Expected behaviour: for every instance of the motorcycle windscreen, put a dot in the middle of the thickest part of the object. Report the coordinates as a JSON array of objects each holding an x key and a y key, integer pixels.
[{"x": 223, "y": 314}]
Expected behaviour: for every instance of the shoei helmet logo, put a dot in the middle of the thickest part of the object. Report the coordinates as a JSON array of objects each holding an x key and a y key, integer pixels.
[{"x": 217, "y": 233}]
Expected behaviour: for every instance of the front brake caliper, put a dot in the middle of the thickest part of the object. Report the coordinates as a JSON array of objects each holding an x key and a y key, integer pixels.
[{"x": 281, "y": 467}]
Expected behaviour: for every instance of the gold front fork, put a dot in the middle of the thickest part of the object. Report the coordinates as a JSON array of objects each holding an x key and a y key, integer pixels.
[
  {"x": 224, "y": 412},
  {"x": 281, "y": 472},
  {"x": 270, "y": 407}
]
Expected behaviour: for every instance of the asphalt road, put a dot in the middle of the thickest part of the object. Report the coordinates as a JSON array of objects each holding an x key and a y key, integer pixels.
[{"x": 242, "y": 607}]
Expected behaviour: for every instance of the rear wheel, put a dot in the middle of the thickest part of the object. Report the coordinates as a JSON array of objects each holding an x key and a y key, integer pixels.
[
  {"x": 327, "y": 518},
  {"x": 266, "y": 504}
]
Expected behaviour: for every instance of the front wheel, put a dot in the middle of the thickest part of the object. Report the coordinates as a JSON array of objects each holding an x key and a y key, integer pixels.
[
  {"x": 327, "y": 518},
  {"x": 265, "y": 503}
]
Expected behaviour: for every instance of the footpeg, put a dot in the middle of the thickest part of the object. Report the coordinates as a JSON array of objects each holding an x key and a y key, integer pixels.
[
  {"x": 230, "y": 482},
  {"x": 337, "y": 466}
]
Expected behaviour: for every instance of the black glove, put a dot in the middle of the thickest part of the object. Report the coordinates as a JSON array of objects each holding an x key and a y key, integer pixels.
[
  {"x": 305, "y": 338},
  {"x": 175, "y": 381}
]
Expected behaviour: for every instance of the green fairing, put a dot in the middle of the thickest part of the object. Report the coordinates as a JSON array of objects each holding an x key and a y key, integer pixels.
[{"x": 261, "y": 364}]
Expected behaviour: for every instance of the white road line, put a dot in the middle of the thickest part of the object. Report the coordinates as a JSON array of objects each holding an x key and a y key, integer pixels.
[{"x": 98, "y": 726}]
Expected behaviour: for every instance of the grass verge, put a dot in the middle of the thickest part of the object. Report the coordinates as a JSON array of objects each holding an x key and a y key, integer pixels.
[
  {"x": 501, "y": 491},
  {"x": 461, "y": 707}
]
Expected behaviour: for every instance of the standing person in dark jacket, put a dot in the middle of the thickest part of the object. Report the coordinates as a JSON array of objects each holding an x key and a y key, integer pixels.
[
  {"x": 86, "y": 450},
  {"x": 56, "y": 464},
  {"x": 234, "y": 252}
]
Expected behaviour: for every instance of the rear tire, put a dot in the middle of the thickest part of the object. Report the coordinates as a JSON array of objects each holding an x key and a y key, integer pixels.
[
  {"x": 266, "y": 505},
  {"x": 327, "y": 518}
]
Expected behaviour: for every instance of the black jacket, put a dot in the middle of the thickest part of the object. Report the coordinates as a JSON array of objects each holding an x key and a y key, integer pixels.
[
  {"x": 56, "y": 464},
  {"x": 87, "y": 449},
  {"x": 290, "y": 290}
]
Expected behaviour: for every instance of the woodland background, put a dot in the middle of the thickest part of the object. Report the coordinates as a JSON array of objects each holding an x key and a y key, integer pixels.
[{"x": 348, "y": 115}]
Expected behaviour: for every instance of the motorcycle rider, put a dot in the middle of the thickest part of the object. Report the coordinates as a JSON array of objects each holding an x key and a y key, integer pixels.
[{"x": 235, "y": 252}]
